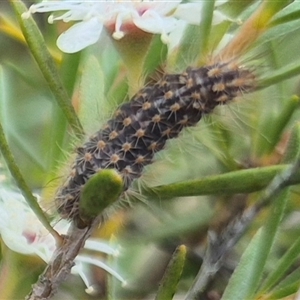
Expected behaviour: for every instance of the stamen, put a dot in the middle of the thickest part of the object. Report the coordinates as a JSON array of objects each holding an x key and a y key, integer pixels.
[{"x": 98, "y": 263}]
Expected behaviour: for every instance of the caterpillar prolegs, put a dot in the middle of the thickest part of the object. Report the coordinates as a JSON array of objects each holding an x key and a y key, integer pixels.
[{"x": 141, "y": 127}]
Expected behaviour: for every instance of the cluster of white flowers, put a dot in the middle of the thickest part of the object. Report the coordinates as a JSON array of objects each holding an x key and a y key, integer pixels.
[
  {"x": 157, "y": 17},
  {"x": 22, "y": 232}
]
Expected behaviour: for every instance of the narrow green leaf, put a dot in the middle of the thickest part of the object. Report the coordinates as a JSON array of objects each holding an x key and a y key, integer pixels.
[
  {"x": 46, "y": 64},
  {"x": 243, "y": 279},
  {"x": 284, "y": 73},
  {"x": 293, "y": 147},
  {"x": 253, "y": 28},
  {"x": 169, "y": 282},
  {"x": 278, "y": 33},
  {"x": 14, "y": 135},
  {"x": 156, "y": 55},
  {"x": 91, "y": 103},
  {"x": 274, "y": 7},
  {"x": 247, "y": 276},
  {"x": 243, "y": 181},
  {"x": 291, "y": 279},
  {"x": 235, "y": 8},
  {"x": 292, "y": 16},
  {"x": 188, "y": 48},
  {"x": 279, "y": 123},
  {"x": 3, "y": 91},
  {"x": 285, "y": 291},
  {"x": 205, "y": 27},
  {"x": 69, "y": 69},
  {"x": 22, "y": 185},
  {"x": 282, "y": 266},
  {"x": 269, "y": 234},
  {"x": 195, "y": 39}
]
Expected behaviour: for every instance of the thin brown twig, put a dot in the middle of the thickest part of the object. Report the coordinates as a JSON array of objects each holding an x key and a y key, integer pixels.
[
  {"x": 220, "y": 245},
  {"x": 62, "y": 262}
]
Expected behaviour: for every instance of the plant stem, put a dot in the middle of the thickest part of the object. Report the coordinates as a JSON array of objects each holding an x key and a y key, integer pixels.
[
  {"x": 242, "y": 181},
  {"x": 22, "y": 185},
  {"x": 47, "y": 65},
  {"x": 219, "y": 245}
]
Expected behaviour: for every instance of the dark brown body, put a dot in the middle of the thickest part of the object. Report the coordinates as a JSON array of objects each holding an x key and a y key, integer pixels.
[{"x": 141, "y": 127}]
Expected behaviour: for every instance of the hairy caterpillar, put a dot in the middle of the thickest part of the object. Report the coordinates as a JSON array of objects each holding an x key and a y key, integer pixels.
[{"x": 141, "y": 127}]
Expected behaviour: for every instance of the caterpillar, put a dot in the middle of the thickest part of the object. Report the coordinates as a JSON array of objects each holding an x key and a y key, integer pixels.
[{"x": 140, "y": 128}]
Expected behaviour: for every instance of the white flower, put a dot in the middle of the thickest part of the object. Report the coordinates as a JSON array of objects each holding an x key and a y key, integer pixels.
[
  {"x": 191, "y": 12},
  {"x": 119, "y": 16},
  {"x": 20, "y": 229},
  {"x": 22, "y": 232}
]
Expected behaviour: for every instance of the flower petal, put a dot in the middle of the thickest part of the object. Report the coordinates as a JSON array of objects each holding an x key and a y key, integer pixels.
[
  {"x": 79, "y": 36},
  {"x": 162, "y": 7},
  {"x": 220, "y": 17},
  {"x": 151, "y": 22},
  {"x": 190, "y": 12},
  {"x": 101, "y": 246},
  {"x": 16, "y": 242}
]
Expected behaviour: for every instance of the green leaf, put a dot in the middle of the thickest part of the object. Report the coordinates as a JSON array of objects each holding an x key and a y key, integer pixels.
[
  {"x": 266, "y": 146},
  {"x": 254, "y": 27},
  {"x": 282, "y": 266},
  {"x": 235, "y": 8},
  {"x": 194, "y": 42},
  {"x": 273, "y": 7},
  {"x": 285, "y": 291},
  {"x": 280, "y": 75},
  {"x": 291, "y": 280},
  {"x": 156, "y": 56},
  {"x": 205, "y": 27},
  {"x": 169, "y": 282},
  {"x": 69, "y": 69},
  {"x": 91, "y": 95},
  {"x": 46, "y": 63},
  {"x": 3, "y": 96},
  {"x": 289, "y": 14},
  {"x": 247, "y": 275},
  {"x": 243, "y": 181},
  {"x": 279, "y": 33},
  {"x": 22, "y": 185},
  {"x": 293, "y": 147},
  {"x": 243, "y": 279}
]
